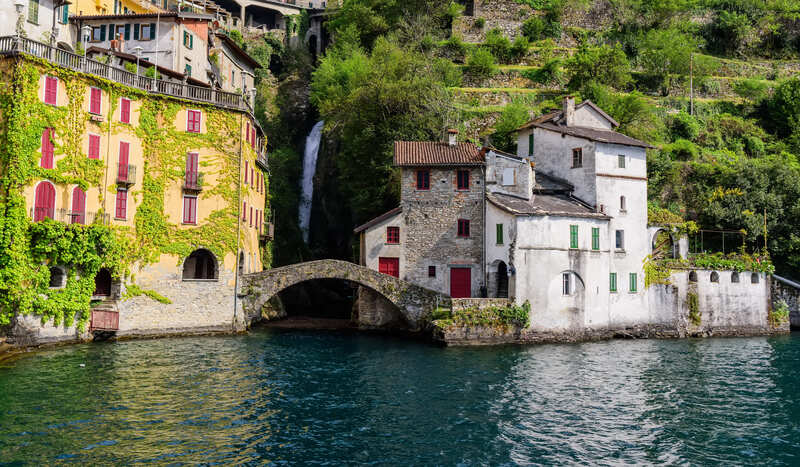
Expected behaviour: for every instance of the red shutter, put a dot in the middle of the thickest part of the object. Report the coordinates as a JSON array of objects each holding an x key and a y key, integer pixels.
[
  {"x": 48, "y": 149},
  {"x": 95, "y": 101},
  {"x": 191, "y": 169},
  {"x": 259, "y": 219},
  {"x": 251, "y": 216},
  {"x": 244, "y": 210},
  {"x": 390, "y": 266},
  {"x": 94, "y": 146},
  {"x": 122, "y": 204},
  {"x": 50, "y": 90},
  {"x": 44, "y": 205},
  {"x": 125, "y": 111},
  {"x": 122, "y": 171},
  {"x": 193, "y": 121},
  {"x": 189, "y": 210},
  {"x": 247, "y": 134},
  {"x": 78, "y": 206},
  {"x": 246, "y": 167},
  {"x": 253, "y": 138},
  {"x": 252, "y": 177}
]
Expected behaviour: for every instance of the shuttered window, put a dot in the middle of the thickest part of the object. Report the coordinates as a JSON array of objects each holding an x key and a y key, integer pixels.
[
  {"x": 462, "y": 181},
  {"x": 44, "y": 204},
  {"x": 573, "y": 236},
  {"x": 393, "y": 235},
  {"x": 463, "y": 228},
  {"x": 423, "y": 180},
  {"x": 64, "y": 14},
  {"x": 499, "y": 234},
  {"x": 595, "y": 238},
  {"x": 246, "y": 171},
  {"x": 191, "y": 169},
  {"x": 251, "y": 216},
  {"x": 190, "y": 210},
  {"x": 48, "y": 149},
  {"x": 612, "y": 282},
  {"x": 121, "y": 211},
  {"x": 247, "y": 132},
  {"x": 193, "y": 121},
  {"x": 244, "y": 210},
  {"x": 94, "y": 146},
  {"x": 125, "y": 110},
  {"x": 530, "y": 144},
  {"x": 577, "y": 158},
  {"x": 50, "y": 90},
  {"x": 95, "y": 101},
  {"x": 632, "y": 278},
  {"x": 124, "y": 151},
  {"x": 33, "y": 11}
]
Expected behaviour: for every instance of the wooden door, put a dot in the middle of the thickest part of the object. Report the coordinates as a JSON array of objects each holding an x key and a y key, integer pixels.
[
  {"x": 390, "y": 266},
  {"x": 78, "y": 215},
  {"x": 44, "y": 206},
  {"x": 460, "y": 282}
]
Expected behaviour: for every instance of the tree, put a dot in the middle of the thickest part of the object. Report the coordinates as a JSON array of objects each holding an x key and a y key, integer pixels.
[
  {"x": 480, "y": 63},
  {"x": 601, "y": 64},
  {"x": 784, "y": 107},
  {"x": 667, "y": 52},
  {"x": 514, "y": 115}
]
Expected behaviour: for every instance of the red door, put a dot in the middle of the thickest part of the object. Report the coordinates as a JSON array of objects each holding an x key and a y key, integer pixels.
[
  {"x": 460, "y": 282},
  {"x": 44, "y": 205},
  {"x": 78, "y": 206},
  {"x": 390, "y": 266}
]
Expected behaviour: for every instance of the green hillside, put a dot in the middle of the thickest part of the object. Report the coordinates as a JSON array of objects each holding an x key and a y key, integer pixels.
[{"x": 407, "y": 70}]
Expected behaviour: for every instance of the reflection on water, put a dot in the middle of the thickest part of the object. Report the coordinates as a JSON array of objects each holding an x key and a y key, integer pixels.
[{"x": 316, "y": 398}]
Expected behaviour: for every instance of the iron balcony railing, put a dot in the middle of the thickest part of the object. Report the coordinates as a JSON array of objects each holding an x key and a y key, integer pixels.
[
  {"x": 67, "y": 216},
  {"x": 193, "y": 181},
  {"x": 268, "y": 229},
  {"x": 126, "y": 174},
  {"x": 63, "y": 58}
]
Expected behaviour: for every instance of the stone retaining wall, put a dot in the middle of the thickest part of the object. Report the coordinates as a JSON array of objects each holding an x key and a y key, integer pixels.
[{"x": 789, "y": 292}]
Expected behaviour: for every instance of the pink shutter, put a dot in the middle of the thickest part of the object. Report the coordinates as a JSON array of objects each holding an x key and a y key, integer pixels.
[
  {"x": 50, "y": 90},
  {"x": 252, "y": 177},
  {"x": 95, "y": 101},
  {"x": 94, "y": 146},
  {"x": 125, "y": 111},
  {"x": 247, "y": 134},
  {"x": 251, "y": 216},
  {"x": 193, "y": 121},
  {"x": 189, "y": 210},
  {"x": 244, "y": 210},
  {"x": 44, "y": 205},
  {"x": 124, "y": 149},
  {"x": 122, "y": 204},
  {"x": 191, "y": 169},
  {"x": 78, "y": 206},
  {"x": 46, "y": 162},
  {"x": 246, "y": 166}
]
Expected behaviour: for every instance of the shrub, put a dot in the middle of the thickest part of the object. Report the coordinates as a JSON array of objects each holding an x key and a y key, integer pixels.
[
  {"x": 753, "y": 90},
  {"x": 499, "y": 45},
  {"x": 519, "y": 48},
  {"x": 685, "y": 126},
  {"x": 480, "y": 23},
  {"x": 455, "y": 48},
  {"x": 481, "y": 64},
  {"x": 601, "y": 64},
  {"x": 514, "y": 115},
  {"x": 779, "y": 314},
  {"x": 550, "y": 74},
  {"x": 728, "y": 31},
  {"x": 541, "y": 27},
  {"x": 454, "y": 10},
  {"x": 682, "y": 150}
]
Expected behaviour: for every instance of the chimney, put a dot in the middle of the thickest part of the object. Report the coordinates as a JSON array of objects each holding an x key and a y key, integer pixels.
[
  {"x": 452, "y": 136},
  {"x": 569, "y": 110}
]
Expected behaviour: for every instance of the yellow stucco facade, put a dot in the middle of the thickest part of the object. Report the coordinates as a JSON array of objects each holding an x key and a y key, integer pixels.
[{"x": 106, "y": 7}]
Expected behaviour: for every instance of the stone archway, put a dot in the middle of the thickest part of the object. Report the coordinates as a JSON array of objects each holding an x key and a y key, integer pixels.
[
  {"x": 414, "y": 302},
  {"x": 663, "y": 245}
]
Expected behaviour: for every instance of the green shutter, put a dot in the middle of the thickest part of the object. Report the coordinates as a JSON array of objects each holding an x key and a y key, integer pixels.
[
  {"x": 127, "y": 32},
  {"x": 65, "y": 14},
  {"x": 136, "y": 32},
  {"x": 33, "y": 11},
  {"x": 102, "y": 33},
  {"x": 573, "y": 236},
  {"x": 112, "y": 32},
  {"x": 191, "y": 41},
  {"x": 530, "y": 144},
  {"x": 595, "y": 238},
  {"x": 499, "y": 234},
  {"x": 612, "y": 282},
  {"x": 152, "y": 30},
  {"x": 633, "y": 281}
]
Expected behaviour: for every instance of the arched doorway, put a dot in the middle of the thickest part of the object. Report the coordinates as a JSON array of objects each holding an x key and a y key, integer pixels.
[
  {"x": 44, "y": 206},
  {"x": 312, "y": 47},
  {"x": 78, "y": 214},
  {"x": 102, "y": 283},
  {"x": 663, "y": 245},
  {"x": 200, "y": 265},
  {"x": 502, "y": 280}
]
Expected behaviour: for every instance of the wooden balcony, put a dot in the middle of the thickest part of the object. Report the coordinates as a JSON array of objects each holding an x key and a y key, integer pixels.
[
  {"x": 193, "y": 181},
  {"x": 126, "y": 175}
]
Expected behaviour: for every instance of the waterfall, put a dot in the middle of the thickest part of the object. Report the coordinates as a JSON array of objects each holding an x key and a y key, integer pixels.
[{"x": 307, "y": 183}]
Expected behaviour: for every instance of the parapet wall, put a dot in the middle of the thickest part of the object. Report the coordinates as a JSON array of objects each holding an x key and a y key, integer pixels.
[{"x": 787, "y": 291}]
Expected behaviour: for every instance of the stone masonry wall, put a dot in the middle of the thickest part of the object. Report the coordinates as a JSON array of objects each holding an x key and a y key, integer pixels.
[
  {"x": 431, "y": 220},
  {"x": 789, "y": 292}
]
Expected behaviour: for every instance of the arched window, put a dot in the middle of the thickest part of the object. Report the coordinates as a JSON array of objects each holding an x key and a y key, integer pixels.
[
  {"x": 693, "y": 276},
  {"x": 57, "y": 278},
  {"x": 44, "y": 207},
  {"x": 102, "y": 283},
  {"x": 754, "y": 278},
  {"x": 715, "y": 276},
  {"x": 622, "y": 206},
  {"x": 78, "y": 214},
  {"x": 735, "y": 277},
  {"x": 200, "y": 265}
]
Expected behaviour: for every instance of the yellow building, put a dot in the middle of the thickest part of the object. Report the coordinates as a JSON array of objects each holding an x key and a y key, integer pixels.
[
  {"x": 114, "y": 7},
  {"x": 159, "y": 199}
]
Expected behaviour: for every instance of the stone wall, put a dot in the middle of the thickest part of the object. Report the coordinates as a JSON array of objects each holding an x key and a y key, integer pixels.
[
  {"x": 787, "y": 291},
  {"x": 431, "y": 221}
]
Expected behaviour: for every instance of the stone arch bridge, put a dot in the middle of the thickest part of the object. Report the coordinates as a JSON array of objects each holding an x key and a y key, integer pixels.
[{"x": 414, "y": 302}]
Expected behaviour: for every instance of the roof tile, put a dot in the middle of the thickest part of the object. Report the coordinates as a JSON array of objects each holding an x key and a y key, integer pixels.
[{"x": 427, "y": 153}]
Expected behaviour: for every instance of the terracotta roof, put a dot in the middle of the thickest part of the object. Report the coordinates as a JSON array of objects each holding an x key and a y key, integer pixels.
[
  {"x": 426, "y": 153},
  {"x": 559, "y": 205},
  {"x": 378, "y": 219},
  {"x": 593, "y": 134}
]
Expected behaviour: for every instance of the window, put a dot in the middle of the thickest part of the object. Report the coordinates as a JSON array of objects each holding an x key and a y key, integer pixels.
[
  {"x": 253, "y": 138},
  {"x": 392, "y": 234},
  {"x": 508, "y": 176},
  {"x": 48, "y": 149},
  {"x": 121, "y": 211},
  {"x": 190, "y": 209},
  {"x": 621, "y": 161},
  {"x": 78, "y": 214},
  {"x": 251, "y": 216},
  {"x": 125, "y": 110},
  {"x": 98, "y": 33},
  {"x": 50, "y": 90},
  {"x": 191, "y": 176},
  {"x": 247, "y": 132},
  {"x": 252, "y": 177},
  {"x": 577, "y": 158},
  {"x": 462, "y": 179},
  {"x": 632, "y": 278},
  {"x": 123, "y": 31},
  {"x": 423, "y": 180},
  {"x": 693, "y": 276},
  {"x": 754, "y": 278},
  {"x": 94, "y": 146},
  {"x": 431, "y": 271},
  {"x": 715, "y": 277},
  {"x": 612, "y": 282},
  {"x": 244, "y": 210},
  {"x": 188, "y": 40},
  {"x": 595, "y": 238},
  {"x": 33, "y": 11},
  {"x": 566, "y": 284},
  {"x": 148, "y": 32},
  {"x": 193, "y": 121},
  {"x": 622, "y": 205},
  {"x": 499, "y": 234},
  {"x": 64, "y": 19},
  {"x": 246, "y": 171},
  {"x": 463, "y": 228},
  {"x": 530, "y": 144},
  {"x": 57, "y": 278},
  {"x": 735, "y": 277},
  {"x": 620, "y": 245},
  {"x": 123, "y": 167},
  {"x": 573, "y": 236},
  {"x": 45, "y": 202},
  {"x": 95, "y": 101},
  {"x": 233, "y": 77}
]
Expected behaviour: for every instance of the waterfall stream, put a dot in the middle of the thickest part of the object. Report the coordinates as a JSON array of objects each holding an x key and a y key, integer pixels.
[{"x": 307, "y": 183}]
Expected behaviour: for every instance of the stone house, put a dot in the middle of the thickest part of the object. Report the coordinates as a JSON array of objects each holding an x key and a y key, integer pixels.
[{"x": 234, "y": 70}]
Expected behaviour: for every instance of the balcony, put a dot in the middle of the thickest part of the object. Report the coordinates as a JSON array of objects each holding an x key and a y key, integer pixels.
[
  {"x": 262, "y": 161},
  {"x": 126, "y": 175},
  {"x": 267, "y": 232},
  {"x": 193, "y": 181},
  {"x": 68, "y": 217}
]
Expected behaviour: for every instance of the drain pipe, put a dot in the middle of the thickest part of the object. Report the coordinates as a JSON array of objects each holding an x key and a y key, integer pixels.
[{"x": 238, "y": 226}]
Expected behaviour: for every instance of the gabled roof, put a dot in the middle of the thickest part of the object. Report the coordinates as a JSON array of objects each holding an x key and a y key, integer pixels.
[
  {"x": 238, "y": 50},
  {"x": 428, "y": 153},
  {"x": 379, "y": 219},
  {"x": 559, "y": 205},
  {"x": 557, "y": 116},
  {"x": 549, "y": 184}
]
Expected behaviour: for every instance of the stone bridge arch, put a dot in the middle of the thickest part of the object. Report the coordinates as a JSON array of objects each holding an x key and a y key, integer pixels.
[{"x": 414, "y": 302}]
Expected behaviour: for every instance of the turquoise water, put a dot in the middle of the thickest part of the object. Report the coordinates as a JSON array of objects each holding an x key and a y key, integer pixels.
[{"x": 302, "y": 398}]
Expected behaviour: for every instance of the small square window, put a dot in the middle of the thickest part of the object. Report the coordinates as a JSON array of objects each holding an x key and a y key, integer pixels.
[
  {"x": 621, "y": 161},
  {"x": 393, "y": 235},
  {"x": 193, "y": 121},
  {"x": 423, "y": 180},
  {"x": 463, "y": 228},
  {"x": 431, "y": 271},
  {"x": 577, "y": 158}
]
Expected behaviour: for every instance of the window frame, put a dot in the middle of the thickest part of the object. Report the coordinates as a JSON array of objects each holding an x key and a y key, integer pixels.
[
  {"x": 189, "y": 123},
  {"x": 612, "y": 282},
  {"x": 124, "y": 102},
  {"x": 124, "y": 208},
  {"x": 96, "y": 137},
  {"x": 462, "y": 180},
  {"x": 463, "y": 228},
  {"x": 192, "y": 213},
  {"x": 623, "y": 204},
  {"x": 573, "y": 237},
  {"x": 48, "y": 152},
  {"x": 499, "y": 234},
  {"x": 566, "y": 284},
  {"x": 33, "y": 12},
  {"x": 577, "y": 158},
  {"x": 431, "y": 271},
  {"x": 47, "y": 81},
  {"x": 99, "y": 91},
  {"x": 619, "y": 240},
  {"x": 426, "y": 178},
  {"x": 595, "y": 238},
  {"x": 392, "y": 235},
  {"x": 530, "y": 144},
  {"x": 633, "y": 282},
  {"x": 621, "y": 161}
]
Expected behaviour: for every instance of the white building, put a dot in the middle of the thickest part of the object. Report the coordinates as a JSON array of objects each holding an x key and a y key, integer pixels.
[{"x": 39, "y": 20}]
